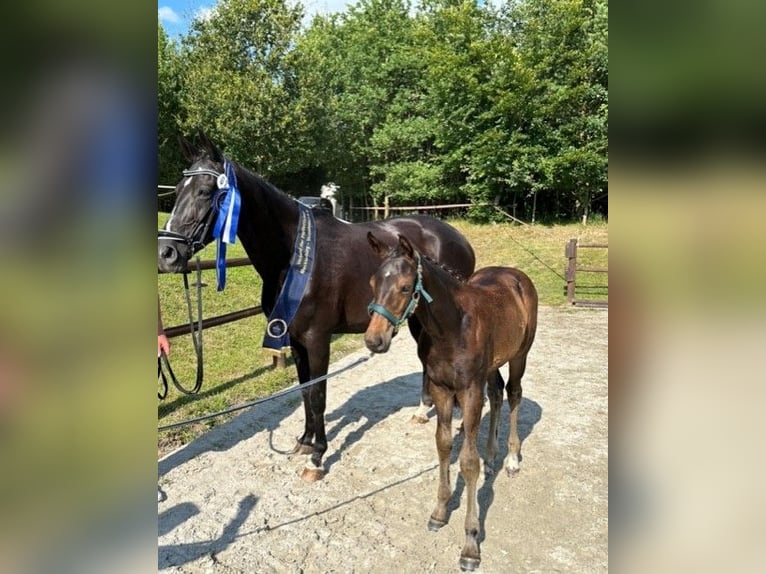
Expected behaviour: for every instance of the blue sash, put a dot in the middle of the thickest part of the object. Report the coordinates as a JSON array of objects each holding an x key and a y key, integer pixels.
[{"x": 301, "y": 265}]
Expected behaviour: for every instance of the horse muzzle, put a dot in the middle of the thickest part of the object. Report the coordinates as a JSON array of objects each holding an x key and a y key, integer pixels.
[
  {"x": 378, "y": 335},
  {"x": 172, "y": 255}
]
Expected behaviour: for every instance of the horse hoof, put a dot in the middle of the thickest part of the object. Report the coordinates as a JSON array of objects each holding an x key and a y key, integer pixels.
[
  {"x": 512, "y": 471},
  {"x": 469, "y": 564},
  {"x": 419, "y": 419},
  {"x": 312, "y": 474},
  {"x": 434, "y": 525},
  {"x": 303, "y": 448}
]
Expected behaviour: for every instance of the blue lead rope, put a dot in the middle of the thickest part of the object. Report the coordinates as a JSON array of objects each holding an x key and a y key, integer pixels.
[{"x": 301, "y": 265}]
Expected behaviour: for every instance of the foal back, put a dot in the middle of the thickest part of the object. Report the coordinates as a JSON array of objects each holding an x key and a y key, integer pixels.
[{"x": 504, "y": 300}]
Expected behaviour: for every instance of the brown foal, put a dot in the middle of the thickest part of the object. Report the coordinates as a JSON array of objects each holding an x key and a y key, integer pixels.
[{"x": 470, "y": 329}]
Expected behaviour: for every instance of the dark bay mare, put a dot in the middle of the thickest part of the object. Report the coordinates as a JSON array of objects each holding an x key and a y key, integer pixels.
[
  {"x": 337, "y": 292},
  {"x": 470, "y": 329}
]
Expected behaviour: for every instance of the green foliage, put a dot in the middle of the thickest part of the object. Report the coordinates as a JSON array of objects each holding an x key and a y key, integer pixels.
[
  {"x": 169, "y": 110},
  {"x": 449, "y": 102},
  {"x": 238, "y": 84}
]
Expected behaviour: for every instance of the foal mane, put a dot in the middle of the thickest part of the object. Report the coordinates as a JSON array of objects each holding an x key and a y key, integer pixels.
[
  {"x": 452, "y": 272},
  {"x": 456, "y": 275}
]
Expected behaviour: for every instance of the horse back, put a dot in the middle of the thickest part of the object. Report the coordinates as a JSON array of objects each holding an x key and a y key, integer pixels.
[
  {"x": 506, "y": 299},
  {"x": 339, "y": 289}
]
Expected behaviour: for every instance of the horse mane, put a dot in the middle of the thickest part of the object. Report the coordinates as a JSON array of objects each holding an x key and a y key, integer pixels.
[
  {"x": 444, "y": 267},
  {"x": 456, "y": 275}
]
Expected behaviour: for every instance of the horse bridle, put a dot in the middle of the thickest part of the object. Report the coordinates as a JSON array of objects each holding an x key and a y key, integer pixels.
[
  {"x": 195, "y": 241},
  {"x": 417, "y": 291}
]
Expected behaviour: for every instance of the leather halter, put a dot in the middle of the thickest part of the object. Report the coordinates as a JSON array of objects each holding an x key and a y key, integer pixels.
[{"x": 195, "y": 241}]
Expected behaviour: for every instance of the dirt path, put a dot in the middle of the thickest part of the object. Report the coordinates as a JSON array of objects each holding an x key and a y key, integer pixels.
[{"x": 236, "y": 504}]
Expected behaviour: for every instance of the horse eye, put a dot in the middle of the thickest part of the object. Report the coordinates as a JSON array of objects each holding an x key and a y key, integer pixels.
[{"x": 406, "y": 289}]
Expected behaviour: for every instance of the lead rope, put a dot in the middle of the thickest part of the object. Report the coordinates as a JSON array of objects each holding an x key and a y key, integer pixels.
[{"x": 163, "y": 360}]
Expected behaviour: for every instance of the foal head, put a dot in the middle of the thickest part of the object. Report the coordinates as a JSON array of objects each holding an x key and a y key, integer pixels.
[
  {"x": 198, "y": 194},
  {"x": 397, "y": 287}
]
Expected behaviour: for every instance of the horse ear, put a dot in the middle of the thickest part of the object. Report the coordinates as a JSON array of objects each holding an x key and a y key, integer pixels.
[
  {"x": 212, "y": 150},
  {"x": 406, "y": 247},
  {"x": 188, "y": 149},
  {"x": 376, "y": 245}
]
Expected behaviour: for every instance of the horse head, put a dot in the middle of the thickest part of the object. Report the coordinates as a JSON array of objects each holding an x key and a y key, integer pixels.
[
  {"x": 198, "y": 197},
  {"x": 397, "y": 286}
]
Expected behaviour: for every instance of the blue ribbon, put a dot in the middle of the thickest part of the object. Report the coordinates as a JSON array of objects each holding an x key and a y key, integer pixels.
[
  {"x": 296, "y": 280},
  {"x": 225, "y": 230}
]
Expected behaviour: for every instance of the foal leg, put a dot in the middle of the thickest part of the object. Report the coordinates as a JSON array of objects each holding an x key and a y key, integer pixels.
[
  {"x": 424, "y": 343},
  {"x": 516, "y": 371},
  {"x": 443, "y": 400},
  {"x": 495, "y": 386},
  {"x": 471, "y": 402}
]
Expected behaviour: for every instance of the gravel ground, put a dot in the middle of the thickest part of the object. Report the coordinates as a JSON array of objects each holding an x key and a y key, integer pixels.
[{"x": 236, "y": 503}]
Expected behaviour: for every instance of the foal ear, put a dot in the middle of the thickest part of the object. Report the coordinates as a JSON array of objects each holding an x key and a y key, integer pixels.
[
  {"x": 188, "y": 149},
  {"x": 406, "y": 247},
  {"x": 379, "y": 248}
]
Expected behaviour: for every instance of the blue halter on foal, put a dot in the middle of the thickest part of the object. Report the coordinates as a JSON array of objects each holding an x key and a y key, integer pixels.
[{"x": 417, "y": 291}]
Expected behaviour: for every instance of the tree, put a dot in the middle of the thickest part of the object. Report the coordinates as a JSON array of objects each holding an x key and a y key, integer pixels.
[
  {"x": 238, "y": 83},
  {"x": 169, "y": 111},
  {"x": 563, "y": 46}
]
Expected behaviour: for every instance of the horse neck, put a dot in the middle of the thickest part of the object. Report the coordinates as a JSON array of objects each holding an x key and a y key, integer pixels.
[
  {"x": 442, "y": 316},
  {"x": 268, "y": 223}
]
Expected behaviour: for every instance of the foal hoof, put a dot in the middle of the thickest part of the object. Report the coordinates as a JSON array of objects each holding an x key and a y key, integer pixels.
[
  {"x": 312, "y": 474},
  {"x": 469, "y": 564},
  {"x": 303, "y": 448},
  {"x": 434, "y": 525},
  {"x": 419, "y": 419},
  {"x": 512, "y": 471}
]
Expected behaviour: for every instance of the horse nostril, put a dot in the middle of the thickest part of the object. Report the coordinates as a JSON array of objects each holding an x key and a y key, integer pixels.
[
  {"x": 374, "y": 343},
  {"x": 168, "y": 253}
]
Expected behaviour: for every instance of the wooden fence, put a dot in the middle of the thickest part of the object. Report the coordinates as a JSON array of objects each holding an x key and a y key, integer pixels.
[
  {"x": 573, "y": 269},
  {"x": 185, "y": 329}
]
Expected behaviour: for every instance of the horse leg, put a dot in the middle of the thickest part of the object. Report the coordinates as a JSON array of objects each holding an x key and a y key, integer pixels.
[
  {"x": 305, "y": 443},
  {"x": 516, "y": 371},
  {"x": 471, "y": 401},
  {"x": 495, "y": 386},
  {"x": 319, "y": 359},
  {"x": 443, "y": 401},
  {"x": 424, "y": 342}
]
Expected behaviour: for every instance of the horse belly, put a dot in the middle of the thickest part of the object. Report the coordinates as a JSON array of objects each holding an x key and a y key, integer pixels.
[{"x": 506, "y": 339}]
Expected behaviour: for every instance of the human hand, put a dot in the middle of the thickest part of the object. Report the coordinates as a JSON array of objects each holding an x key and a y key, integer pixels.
[{"x": 163, "y": 345}]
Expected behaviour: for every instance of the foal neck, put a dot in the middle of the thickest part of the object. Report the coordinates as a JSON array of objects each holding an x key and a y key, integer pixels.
[{"x": 443, "y": 314}]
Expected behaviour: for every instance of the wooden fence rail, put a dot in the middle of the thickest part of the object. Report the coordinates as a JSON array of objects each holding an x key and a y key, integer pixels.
[
  {"x": 570, "y": 251},
  {"x": 185, "y": 329}
]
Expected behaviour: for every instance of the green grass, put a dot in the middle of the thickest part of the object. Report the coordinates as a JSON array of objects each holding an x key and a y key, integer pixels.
[{"x": 237, "y": 369}]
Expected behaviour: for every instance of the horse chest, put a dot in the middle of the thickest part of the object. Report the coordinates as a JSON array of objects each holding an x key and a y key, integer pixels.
[{"x": 442, "y": 371}]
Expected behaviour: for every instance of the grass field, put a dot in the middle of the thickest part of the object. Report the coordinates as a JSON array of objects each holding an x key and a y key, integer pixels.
[{"x": 237, "y": 369}]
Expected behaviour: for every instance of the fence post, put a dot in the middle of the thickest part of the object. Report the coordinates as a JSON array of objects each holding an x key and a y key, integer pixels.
[
  {"x": 571, "y": 254},
  {"x": 278, "y": 361}
]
